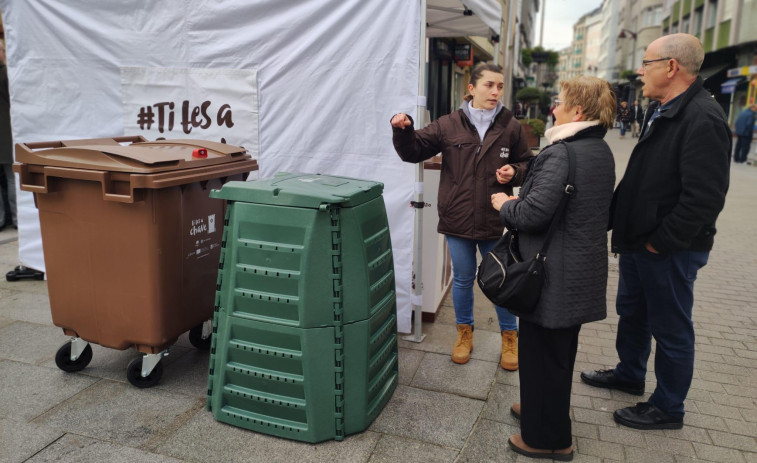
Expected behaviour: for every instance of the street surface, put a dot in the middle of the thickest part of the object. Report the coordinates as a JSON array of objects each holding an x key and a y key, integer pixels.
[{"x": 440, "y": 412}]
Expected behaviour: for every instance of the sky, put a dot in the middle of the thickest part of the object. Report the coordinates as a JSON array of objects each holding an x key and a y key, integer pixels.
[{"x": 559, "y": 19}]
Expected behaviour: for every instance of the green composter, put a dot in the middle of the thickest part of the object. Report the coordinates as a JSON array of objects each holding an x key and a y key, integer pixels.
[{"x": 304, "y": 330}]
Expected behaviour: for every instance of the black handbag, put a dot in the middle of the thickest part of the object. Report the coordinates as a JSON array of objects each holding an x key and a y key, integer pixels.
[{"x": 510, "y": 281}]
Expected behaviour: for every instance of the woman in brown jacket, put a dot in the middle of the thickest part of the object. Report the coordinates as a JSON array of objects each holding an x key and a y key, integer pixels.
[{"x": 484, "y": 151}]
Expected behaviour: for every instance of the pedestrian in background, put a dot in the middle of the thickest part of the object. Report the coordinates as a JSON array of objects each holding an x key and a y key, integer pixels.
[
  {"x": 744, "y": 133},
  {"x": 624, "y": 118},
  {"x": 484, "y": 151},
  {"x": 663, "y": 227},
  {"x": 637, "y": 118}
]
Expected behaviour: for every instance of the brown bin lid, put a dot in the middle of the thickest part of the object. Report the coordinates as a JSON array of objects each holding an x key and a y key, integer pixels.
[{"x": 138, "y": 157}]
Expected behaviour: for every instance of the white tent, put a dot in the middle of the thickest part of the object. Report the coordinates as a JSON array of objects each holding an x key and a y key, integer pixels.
[
  {"x": 444, "y": 18},
  {"x": 456, "y": 18},
  {"x": 312, "y": 84}
]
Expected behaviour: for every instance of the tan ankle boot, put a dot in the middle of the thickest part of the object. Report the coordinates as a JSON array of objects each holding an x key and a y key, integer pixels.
[
  {"x": 509, "y": 359},
  {"x": 463, "y": 345}
]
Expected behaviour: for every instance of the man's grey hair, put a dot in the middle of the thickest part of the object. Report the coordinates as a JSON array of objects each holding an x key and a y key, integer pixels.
[{"x": 686, "y": 49}]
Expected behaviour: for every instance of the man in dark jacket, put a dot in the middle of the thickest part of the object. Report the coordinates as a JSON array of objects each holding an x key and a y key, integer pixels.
[
  {"x": 663, "y": 221},
  {"x": 745, "y": 133}
]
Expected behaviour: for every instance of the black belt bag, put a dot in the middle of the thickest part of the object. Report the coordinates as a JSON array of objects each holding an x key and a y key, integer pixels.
[{"x": 511, "y": 282}]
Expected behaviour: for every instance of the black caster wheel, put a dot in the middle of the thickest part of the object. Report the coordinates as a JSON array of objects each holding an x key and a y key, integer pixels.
[
  {"x": 134, "y": 374},
  {"x": 64, "y": 362},
  {"x": 197, "y": 340}
]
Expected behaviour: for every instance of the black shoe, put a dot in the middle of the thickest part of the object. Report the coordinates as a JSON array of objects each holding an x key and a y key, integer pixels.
[
  {"x": 607, "y": 379},
  {"x": 646, "y": 416}
]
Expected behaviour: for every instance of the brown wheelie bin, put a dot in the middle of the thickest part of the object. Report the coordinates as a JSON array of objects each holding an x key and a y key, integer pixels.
[{"x": 131, "y": 241}]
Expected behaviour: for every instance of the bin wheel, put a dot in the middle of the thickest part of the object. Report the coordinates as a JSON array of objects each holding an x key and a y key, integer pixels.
[
  {"x": 196, "y": 338},
  {"x": 64, "y": 362},
  {"x": 134, "y": 374}
]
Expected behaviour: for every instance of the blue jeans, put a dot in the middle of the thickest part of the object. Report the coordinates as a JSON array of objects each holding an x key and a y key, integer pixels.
[
  {"x": 655, "y": 299},
  {"x": 623, "y": 128},
  {"x": 463, "y": 254},
  {"x": 742, "y": 149}
]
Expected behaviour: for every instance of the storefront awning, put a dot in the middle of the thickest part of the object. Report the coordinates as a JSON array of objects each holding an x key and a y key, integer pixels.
[
  {"x": 711, "y": 71},
  {"x": 457, "y": 18},
  {"x": 729, "y": 86}
]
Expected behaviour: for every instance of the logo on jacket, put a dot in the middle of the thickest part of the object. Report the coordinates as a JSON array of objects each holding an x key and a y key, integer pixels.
[{"x": 504, "y": 152}]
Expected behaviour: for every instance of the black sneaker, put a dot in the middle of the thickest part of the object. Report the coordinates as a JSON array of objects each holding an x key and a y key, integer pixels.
[
  {"x": 646, "y": 416},
  {"x": 607, "y": 379}
]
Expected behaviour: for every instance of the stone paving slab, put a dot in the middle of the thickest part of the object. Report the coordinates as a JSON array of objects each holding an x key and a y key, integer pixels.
[
  {"x": 488, "y": 442},
  {"x": 20, "y": 440},
  {"x": 438, "y": 372},
  {"x": 30, "y": 342},
  {"x": 429, "y": 416},
  {"x": 409, "y": 361},
  {"x": 391, "y": 449},
  {"x": 87, "y": 450},
  {"x": 29, "y": 390},
  {"x": 25, "y": 306},
  {"x": 120, "y": 413},
  {"x": 501, "y": 398},
  {"x": 204, "y": 440}
]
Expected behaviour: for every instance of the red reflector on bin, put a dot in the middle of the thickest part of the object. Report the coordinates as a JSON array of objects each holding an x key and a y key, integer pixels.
[{"x": 200, "y": 153}]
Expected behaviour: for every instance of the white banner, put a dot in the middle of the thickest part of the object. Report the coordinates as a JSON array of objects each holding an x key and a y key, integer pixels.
[
  {"x": 208, "y": 104},
  {"x": 329, "y": 75}
]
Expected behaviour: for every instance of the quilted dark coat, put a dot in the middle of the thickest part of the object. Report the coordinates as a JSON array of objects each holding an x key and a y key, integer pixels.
[{"x": 576, "y": 264}]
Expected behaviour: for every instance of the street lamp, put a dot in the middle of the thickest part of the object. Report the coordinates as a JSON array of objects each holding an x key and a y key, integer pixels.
[
  {"x": 623, "y": 35},
  {"x": 631, "y": 83}
]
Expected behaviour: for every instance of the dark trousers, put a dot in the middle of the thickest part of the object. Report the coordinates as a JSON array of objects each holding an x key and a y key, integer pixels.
[
  {"x": 655, "y": 299},
  {"x": 546, "y": 358},
  {"x": 742, "y": 148}
]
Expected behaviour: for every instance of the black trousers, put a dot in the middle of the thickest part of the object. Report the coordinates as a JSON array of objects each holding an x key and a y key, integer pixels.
[{"x": 546, "y": 358}]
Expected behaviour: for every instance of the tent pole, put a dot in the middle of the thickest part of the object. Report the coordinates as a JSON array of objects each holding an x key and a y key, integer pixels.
[{"x": 418, "y": 204}]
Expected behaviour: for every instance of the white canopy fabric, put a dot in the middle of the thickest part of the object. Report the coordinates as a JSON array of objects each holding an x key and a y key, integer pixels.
[
  {"x": 456, "y": 18},
  {"x": 325, "y": 76}
]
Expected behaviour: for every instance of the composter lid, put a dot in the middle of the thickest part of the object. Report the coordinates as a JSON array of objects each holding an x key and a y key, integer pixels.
[
  {"x": 140, "y": 156},
  {"x": 301, "y": 190}
]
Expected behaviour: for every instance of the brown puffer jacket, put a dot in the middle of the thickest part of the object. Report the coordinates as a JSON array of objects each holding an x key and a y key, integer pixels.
[{"x": 468, "y": 176}]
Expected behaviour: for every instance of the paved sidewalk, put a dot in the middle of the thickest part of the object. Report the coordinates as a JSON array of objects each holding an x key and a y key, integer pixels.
[{"x": 441, "y": 412}]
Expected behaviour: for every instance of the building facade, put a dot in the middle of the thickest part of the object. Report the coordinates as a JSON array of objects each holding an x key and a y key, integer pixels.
[{"x": 729, "y": 36}]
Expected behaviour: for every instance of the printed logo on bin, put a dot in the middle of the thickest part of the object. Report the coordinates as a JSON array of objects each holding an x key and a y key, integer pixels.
[
  {"x": 199, "y": 226},
  {"x": 211, "y": 224}
]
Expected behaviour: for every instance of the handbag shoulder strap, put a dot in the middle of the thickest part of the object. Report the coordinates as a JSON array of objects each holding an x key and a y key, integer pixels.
[{"x": 569, "y": 189}]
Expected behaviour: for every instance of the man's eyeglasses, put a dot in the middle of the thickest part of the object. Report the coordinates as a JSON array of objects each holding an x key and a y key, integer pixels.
[
  {"x": 646, "y": 62},
  {"x": 558, "y": 102}
]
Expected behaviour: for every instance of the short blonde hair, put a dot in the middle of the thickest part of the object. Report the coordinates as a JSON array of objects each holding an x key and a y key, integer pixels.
[{"x": 595, "y": 97}]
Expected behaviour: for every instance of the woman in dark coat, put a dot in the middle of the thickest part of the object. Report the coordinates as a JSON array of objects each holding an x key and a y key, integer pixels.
[{"x": 576, "y": 266}]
